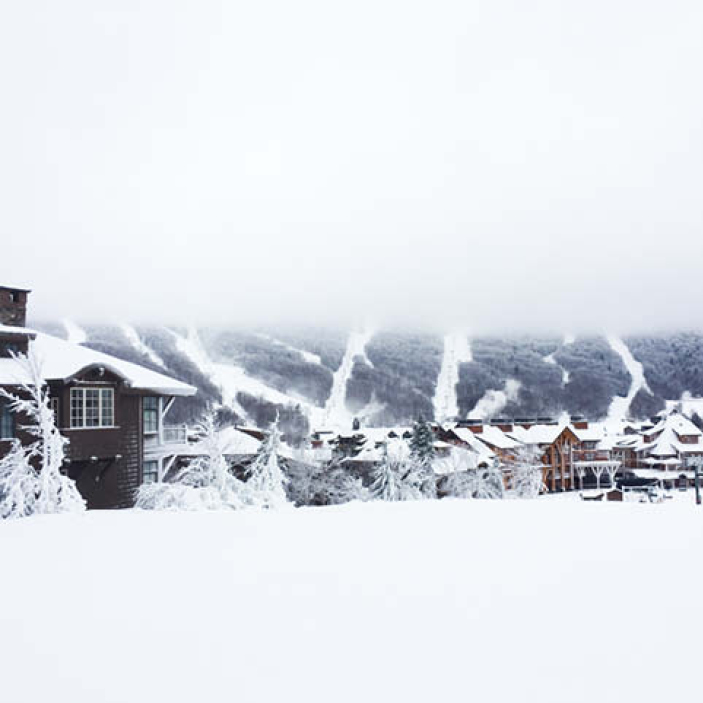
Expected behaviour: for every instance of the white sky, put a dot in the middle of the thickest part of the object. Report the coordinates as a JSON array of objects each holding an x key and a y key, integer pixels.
[{"x": 493, "y": 164}]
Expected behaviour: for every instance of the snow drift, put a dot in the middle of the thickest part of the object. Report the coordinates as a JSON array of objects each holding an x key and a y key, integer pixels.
[{"x": 447, "y": 601}]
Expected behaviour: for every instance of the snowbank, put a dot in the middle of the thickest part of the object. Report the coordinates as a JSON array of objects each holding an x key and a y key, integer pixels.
[{"x": 430, "y": 601}]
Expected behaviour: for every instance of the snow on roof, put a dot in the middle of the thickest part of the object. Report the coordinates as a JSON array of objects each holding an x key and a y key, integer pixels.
[
  {"x": 473, "y": 440},
  {"x": 61, "y": 360},
  {"x": 9, "y": 286},
  {"x": 234, "y": 442},
  {"x": 495, "y": 436},
  {"x": 19, "y": 331},
  {"x": 537, "y": 434},
  {"x": 594, "y": 433}
]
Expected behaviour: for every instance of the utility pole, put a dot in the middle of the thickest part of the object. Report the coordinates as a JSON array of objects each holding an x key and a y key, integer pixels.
[{"x": 696, "y": 462}]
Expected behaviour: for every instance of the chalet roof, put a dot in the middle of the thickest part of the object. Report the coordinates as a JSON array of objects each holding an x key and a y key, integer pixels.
[
  {"x": 538, "y": 434},
  {"x": 61, "y": 360},
  {"x": 474, "y": 442},
  {"x": 593, "y": 433}
]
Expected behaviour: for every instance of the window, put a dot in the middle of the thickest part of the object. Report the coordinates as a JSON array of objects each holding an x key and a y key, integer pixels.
[
  {"x": 150, "y": 472},
  {"x": 7, "y": 420},
  {"x": 151, "y": 415},
  {"x": 54, "y": 407},
  {"x": 92, "y": 407}
]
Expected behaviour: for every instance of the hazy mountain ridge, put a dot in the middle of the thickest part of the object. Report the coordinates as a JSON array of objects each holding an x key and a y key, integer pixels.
[{"x": 393, "y": 376}]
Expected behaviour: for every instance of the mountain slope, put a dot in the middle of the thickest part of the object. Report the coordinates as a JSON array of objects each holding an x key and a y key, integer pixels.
[{"x": 315, "y": 378}]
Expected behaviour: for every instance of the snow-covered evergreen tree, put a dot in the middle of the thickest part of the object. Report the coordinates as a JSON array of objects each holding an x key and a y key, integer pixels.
[
  {"x": 52, "y": 491},
  {"x": 396, "y": 478},
  {"x": 422, "y": 456},
  {"x": 265, "y": 477}
]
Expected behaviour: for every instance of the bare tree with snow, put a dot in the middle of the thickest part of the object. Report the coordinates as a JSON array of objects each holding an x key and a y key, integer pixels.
[
  {"x": 525, "y": 470},
  {"x": 31, "y": 480}
]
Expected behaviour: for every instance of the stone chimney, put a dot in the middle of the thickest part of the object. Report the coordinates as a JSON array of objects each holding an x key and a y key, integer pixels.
[{"x": 13, "y": 306}]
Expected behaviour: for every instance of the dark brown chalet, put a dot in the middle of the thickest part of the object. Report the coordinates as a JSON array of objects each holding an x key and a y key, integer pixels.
[{"x": 112, "y": 411}]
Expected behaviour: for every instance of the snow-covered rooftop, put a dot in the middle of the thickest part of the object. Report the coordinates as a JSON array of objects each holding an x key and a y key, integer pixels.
[
  {"x": 61, "y": 360},
  {"x": 16, "y": 331}
]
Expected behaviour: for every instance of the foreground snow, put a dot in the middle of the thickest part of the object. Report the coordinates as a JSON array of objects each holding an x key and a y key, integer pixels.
[{"x": 431, "y": 601}]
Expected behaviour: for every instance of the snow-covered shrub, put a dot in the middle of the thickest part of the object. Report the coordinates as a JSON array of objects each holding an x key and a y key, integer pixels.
[
  {"x": 206, "y": 483},
  {"x": 19, "y": 484},
  {"x": 333, "y": 484},
  {"x": 25, "y": 490},
  {"x": 462, "y": 478}
]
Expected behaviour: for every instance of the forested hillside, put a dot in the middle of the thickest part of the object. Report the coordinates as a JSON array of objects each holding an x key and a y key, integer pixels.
[{"x": 315, "y": 377}]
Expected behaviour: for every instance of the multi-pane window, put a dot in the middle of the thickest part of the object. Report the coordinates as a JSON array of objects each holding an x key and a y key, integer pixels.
[
  {"x": 7, "y": 420},
  {"x": 150, "y": 472},
  {"x": 92, "y": 407},
  {"x": 151, "y": 415}
]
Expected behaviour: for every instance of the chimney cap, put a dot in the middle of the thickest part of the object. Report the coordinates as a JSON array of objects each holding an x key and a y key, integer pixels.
[{"x": 19, "y": 289}]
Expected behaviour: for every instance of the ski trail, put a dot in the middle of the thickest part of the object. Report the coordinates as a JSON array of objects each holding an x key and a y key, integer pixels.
[
  {"x": 307, "y": 356},
  {"x": 76, "y": 334},
  {"x": 550, "y": 359},
  {"x": 232, "y": 379},
  {"x": 620, "y": 406},
  {"x": 135, "y": 340},
  {"x": 336, "y": 415},
  {"x": 494, "y": 401},
  {"x": 191, "y": 347},
  {"x": 457, "y": 350}
]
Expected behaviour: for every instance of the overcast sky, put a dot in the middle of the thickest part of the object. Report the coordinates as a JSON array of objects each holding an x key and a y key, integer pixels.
[{"x": 494, "y": 164}]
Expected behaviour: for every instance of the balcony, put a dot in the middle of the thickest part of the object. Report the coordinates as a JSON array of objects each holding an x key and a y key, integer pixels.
[{"x": 168, "y": 436}]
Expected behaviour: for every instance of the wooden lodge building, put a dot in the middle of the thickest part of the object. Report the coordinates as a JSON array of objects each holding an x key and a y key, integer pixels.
[{"x": 113, "y": 412}]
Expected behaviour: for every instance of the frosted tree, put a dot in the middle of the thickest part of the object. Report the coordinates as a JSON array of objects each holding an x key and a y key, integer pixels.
[
  {"x": 206, "y": 483},
  {"x": 422, "y": 456},
  {"x": 489, "y": 482},
  {"x": 52, "y": 491},
  {"x": 525, "y": 471},
  {"x": 336, "y": 484},
  {"x": 396, "y": 478},
  {"x": 265, "y": 477},
  {"x": 464, "y": 479},
  {"x": 19, "y": 484}
]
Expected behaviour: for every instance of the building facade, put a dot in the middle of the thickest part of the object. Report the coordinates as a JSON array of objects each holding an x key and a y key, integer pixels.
[{"x": 113, "y": 412}]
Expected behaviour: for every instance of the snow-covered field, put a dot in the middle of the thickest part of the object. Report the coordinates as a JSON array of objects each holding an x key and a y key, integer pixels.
[{"x": 435, "y": 601}]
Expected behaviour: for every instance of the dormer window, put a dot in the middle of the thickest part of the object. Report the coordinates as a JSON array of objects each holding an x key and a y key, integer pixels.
[{"x": 92, "y": 407}]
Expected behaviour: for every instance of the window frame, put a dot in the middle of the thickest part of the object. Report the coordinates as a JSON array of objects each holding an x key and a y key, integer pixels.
[
  {"x": 151, "y": 411},
  {"x": 153, "y": 474},
  {"x": 7, "y": 420},
  {"x": 82, "y": 415}
]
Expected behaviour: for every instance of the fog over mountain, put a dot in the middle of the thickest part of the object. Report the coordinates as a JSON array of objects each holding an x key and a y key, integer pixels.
[{"x": 495, "y": 166}]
